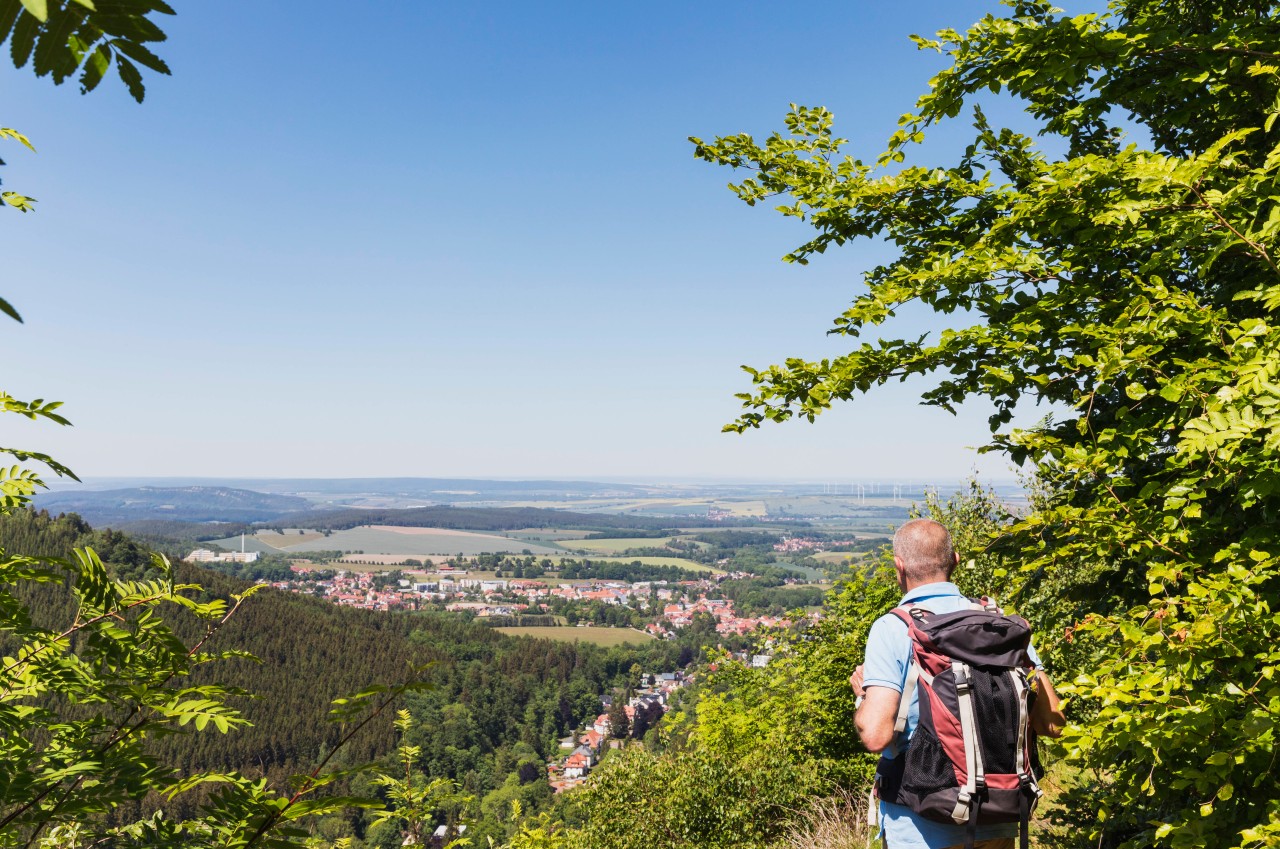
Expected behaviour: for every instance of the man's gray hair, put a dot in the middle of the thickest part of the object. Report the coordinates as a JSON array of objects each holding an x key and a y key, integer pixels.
[{"x": 924, "y": 547}]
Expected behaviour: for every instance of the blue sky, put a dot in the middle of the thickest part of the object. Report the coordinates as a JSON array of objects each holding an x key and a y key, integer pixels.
[{"x": 428, "y": 239}]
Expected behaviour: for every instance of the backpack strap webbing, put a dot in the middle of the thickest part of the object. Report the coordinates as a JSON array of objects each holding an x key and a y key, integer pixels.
[
  {"x": 1029, "y": 789},
  {"x": 975, "y": 776},
  {"x": 904, "y": 702},
  {"x": 1024, "y": 822},
  {"x": 914, "y": 673},
  {"x": 1019, "y": 679}
]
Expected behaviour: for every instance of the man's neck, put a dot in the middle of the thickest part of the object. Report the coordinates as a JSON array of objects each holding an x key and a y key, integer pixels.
[{"x": 912, "y": 586}]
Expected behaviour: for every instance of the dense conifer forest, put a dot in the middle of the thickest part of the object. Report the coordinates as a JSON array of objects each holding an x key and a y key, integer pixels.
[{"x": 496, "y": 707}]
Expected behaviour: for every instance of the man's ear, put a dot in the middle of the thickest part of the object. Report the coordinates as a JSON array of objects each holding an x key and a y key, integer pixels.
[{"x": 902, "y": 572}]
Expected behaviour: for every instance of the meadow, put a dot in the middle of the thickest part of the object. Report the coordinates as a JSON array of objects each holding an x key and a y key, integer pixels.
[
  {"x": 618, "y": 545},
  {"x": 388, "y": 539},
  {"x": 590, "y": 634}
]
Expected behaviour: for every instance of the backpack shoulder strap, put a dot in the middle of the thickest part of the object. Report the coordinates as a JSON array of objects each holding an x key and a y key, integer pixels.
[
  {"x": 914, "y": 671},
  {"x": 985, "y": 603}
]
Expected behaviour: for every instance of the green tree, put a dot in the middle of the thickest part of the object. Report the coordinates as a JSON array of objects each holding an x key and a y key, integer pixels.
[
  {"x": 691, "y": 797},
  {"x": 619, "y": 725},
  {"x": 416, "y": 800},
  {"x": 1125, "y": 274}
]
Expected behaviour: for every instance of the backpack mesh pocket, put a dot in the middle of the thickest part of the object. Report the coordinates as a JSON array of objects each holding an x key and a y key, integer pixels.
[
  {"x": 927, "y": 768},
  {"x": 996, "y": 707}
]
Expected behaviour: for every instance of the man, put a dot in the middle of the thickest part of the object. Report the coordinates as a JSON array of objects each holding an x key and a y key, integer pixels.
[{"x": 924, "y": 559}]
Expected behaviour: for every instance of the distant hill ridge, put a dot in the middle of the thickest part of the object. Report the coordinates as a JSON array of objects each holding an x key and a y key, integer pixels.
[
  {"x": 476, "y": 519},
  {"x": 198, "y": 512},
  {"x": 182, "y": 503}
]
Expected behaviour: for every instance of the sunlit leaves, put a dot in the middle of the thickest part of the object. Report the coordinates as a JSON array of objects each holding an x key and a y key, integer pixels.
[{"x": 62, "y": 37}]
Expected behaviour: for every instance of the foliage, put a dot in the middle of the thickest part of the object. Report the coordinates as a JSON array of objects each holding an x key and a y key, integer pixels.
[
  {"x": 62, "y": 37},
  {"x": 694, "y": 797},
  {"x": 415, "y": 800},
  {"x": 80, "y": 707},
  {"x": 534, "y": 833},
  {"x": 1131, "y": 283},
  {"x": 123, "y": 669}
]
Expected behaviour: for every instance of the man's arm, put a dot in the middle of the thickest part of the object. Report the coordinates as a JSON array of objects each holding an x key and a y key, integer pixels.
[
  {"x": 876, "y": 714},
  {"x": 1047, "y": 717}
]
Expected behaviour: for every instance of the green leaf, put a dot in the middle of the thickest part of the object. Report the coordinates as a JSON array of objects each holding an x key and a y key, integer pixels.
[
  {"x": 37, "y": 8},
  {"x": 140, "y": 54},
  {"x": 131, "y": 77},
  {"x": 7, "y": 309},
  {"x": 20, "y": 202}
]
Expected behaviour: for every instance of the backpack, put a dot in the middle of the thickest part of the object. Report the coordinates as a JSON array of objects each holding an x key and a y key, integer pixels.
[{"x": 971, "y": 760}]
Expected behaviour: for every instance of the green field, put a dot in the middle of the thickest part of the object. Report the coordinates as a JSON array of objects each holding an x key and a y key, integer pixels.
[
  {"x": 592, "y": 634},
  {"x": 617, "y": 546},
  {"x": 550, "y": 536},
  {"x": 836, "y": 556},
  {"x": 375, "y": 540}
]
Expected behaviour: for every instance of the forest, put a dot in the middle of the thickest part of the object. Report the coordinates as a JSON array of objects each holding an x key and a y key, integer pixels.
[{"x": 493, "y": 706}]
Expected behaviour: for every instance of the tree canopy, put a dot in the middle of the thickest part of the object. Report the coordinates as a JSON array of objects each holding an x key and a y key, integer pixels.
[{"x": 1115, "y": 260}]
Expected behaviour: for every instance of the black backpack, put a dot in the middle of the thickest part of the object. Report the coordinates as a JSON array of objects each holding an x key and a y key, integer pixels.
[{"x": 971, "y": 760}]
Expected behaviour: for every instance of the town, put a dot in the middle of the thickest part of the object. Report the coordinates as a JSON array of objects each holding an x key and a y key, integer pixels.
[{"x": 667, "y": 605}]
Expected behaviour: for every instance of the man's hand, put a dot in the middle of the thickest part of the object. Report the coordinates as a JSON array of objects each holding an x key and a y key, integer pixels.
[
  {"x": 876, "y": 714},
  {"x": 855, "y": 681},
  {"x": 1046, "y": 714}
]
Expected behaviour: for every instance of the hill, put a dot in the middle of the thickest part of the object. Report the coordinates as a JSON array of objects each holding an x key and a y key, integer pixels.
[
  {"x": 482, "y": 519},
  {"x": 185, "y": 503}
]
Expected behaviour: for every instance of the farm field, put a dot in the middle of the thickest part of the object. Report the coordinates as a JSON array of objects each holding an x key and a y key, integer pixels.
[
  {"x": 592, "y": 634},
  {"x": 836, "y": 556},
  {"x": 389, "y": 539},
  {"x": 808, "y": 571},
  {"x": 616, "y": 546},
  {"x": 288, "y": 538},
  {"x": 695, "y": 507}
]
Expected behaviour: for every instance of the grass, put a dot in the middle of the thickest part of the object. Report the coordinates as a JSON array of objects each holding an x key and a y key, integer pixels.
[
  {"x": 617, "y": 546},
  {"x": 837, "y": 556},
  {"x": 410, "y": 542},
  {"x": 282, "y": 541},
  {"x": 591, "y": 634},
  {"x": 837, "y": 822}
]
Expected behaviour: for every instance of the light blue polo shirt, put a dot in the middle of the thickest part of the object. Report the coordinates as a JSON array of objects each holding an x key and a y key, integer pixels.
[{"x": 886, "y": 664}]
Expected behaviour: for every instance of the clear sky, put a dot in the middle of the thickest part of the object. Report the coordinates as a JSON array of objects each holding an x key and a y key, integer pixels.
[{"x": 431, "y": 239}]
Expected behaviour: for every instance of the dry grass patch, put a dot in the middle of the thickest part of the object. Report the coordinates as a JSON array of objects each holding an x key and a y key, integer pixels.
[
  {"x": 838, "y": 822},
  {"x": 599, "y": 635}
]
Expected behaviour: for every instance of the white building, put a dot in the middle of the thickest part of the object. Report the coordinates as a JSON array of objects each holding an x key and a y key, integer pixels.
[{"x": 204, "y": 555}]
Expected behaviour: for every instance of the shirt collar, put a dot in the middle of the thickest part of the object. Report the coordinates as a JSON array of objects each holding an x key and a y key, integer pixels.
[{"x": 931, "y": 591}]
